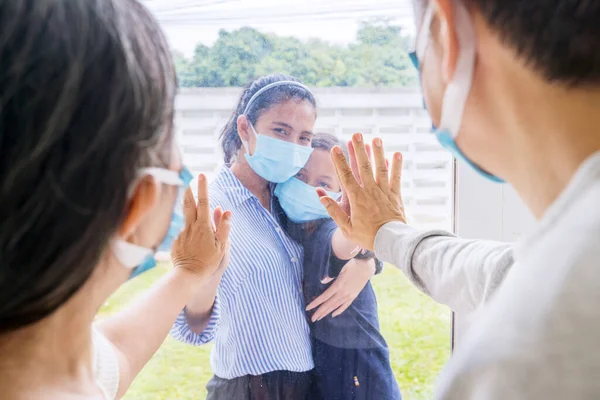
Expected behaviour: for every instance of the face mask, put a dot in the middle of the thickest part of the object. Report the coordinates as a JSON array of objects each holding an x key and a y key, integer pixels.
[
  {"x": 141, "y": 259},
  {"x": 457, "y": 92},
  {"x": 276, "y": 160},
  {"x": 301, "y": 202}
]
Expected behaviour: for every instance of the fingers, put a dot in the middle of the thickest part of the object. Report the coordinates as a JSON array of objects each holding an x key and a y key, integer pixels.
[
  {"x": 203, "y": 210},
  {"x": 353, "y": 162},
  {"x": 344, "y": 171},
  {"x": 224, "y": 228},
  {"x": 381, "y": 171},
  {"x": 345, "y": 203},
  {"x": 326, "y": 295},
  {"x": 369, "y": 152},
  {"x": 335, "y": 211},
  {"x": 396, "y": 176},
  {"x": 341, "y": 310},
  {"x": 335, "y": 302},
  {"x": 189, "y": 207},
  {"x": 364, "y": 165},
  {"x": 217, "y": 215}
]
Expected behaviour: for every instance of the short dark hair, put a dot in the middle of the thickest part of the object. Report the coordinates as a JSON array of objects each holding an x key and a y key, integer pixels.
[
  {"x": 230, "y": 140},
  {"x": 558, "y": 38},
  {"x": 86, "y": 98}
]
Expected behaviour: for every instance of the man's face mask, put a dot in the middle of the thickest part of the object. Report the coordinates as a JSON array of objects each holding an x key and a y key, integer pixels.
[
  {"x": 457, "y": 91},
  {"x": 141, "y": 259}
]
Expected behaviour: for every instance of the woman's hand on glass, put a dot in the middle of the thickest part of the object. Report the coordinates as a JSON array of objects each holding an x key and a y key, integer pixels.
[
  {"x": 345, "y": 288},
  {"x": 203, "y": 246}
]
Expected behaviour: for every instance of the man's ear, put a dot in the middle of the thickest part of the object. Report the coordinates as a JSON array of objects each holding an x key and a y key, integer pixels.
[
  {"x": 144, "y": 199},
  {"x": 447, "y": 37}
]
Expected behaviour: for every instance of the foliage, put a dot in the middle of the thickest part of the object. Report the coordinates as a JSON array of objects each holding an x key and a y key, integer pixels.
[
  {"x": 377, "y": 58},
  {"x": 417, "y": 331}
]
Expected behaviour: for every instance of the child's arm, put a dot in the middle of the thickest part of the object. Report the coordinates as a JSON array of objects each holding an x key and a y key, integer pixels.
[
  {"x": 345, "y": 288},
  {"x": 343, "y": 248}
]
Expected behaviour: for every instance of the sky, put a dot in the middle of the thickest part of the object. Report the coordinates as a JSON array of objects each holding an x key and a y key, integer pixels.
[{"x": 189, "y": 22}]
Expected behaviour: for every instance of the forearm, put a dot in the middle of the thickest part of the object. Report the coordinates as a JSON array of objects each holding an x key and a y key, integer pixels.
[
  {"x": 199, "y": 309},
  {"x": 139, "y": 330},
  {"x": 460, "y": 273},
  {"x": 343, "y": 248}
]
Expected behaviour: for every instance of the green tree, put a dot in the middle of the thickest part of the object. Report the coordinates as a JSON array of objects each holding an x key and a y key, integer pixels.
[
  {"x": 236, "y": 55},
  {"x": 378, "y": 58}
]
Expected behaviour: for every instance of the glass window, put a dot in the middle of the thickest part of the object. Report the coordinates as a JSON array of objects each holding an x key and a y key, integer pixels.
[{"x": 353, "y": 55}]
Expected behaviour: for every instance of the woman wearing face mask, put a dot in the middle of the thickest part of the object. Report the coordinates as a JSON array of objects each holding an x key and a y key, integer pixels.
[
  {"x": 257, "y": 319},
  {"x": 350, "y": 354},
  {"x": 90, "y": 185}
]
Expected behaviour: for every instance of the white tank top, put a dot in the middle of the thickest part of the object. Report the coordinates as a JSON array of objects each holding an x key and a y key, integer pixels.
[{"x": 106, "y": 365}]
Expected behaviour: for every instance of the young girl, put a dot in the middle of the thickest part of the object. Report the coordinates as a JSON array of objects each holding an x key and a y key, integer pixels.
[{"x": 350, "y": 354}]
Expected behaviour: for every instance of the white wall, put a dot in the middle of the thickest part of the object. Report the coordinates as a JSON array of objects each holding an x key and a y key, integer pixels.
[{"x": 486, "y": 210}]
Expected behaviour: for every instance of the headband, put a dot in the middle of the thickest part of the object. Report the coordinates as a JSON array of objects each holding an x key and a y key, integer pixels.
[{"x": 271, "y": 86}]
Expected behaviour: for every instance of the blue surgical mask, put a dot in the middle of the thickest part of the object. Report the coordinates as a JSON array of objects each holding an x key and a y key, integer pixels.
[
  {"x": 141, "y": 259},
  {"x": 300, "y": 201},
  {"x": 457, "y": 91},
  {"x": 276, "y": 160}
]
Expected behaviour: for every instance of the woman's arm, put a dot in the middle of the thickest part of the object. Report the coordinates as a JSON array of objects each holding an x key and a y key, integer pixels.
[
  {"x": 198, "y": 322},
  {"x": 138, "y": 331},
  {"x": 201, "y": 308},
  {"x": 199, "y": 256}
]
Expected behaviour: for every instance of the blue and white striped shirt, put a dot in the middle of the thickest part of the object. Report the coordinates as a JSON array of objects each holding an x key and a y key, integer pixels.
[{"x": 258, "y": 321}]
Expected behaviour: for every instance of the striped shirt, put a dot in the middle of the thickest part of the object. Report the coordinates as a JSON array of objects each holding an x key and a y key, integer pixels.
[{"x": 258, "y": 322}]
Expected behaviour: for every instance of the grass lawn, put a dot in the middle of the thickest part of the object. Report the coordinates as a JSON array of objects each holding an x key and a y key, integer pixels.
[{"x": 416, "y": 329}]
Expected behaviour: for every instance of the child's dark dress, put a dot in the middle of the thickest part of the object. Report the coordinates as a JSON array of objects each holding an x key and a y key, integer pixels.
[{"x": 351, "y": 356}]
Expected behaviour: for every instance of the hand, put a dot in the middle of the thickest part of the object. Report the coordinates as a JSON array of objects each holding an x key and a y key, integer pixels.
[
  {"x": 203, "y": 246},
  {"x": 344, "y": 202},
  {"x": 342, "y": 292},
  {"x": 375, "y": 201}
]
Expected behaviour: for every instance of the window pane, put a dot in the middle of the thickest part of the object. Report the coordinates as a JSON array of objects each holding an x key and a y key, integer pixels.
[{"x": 353, "y": 56}]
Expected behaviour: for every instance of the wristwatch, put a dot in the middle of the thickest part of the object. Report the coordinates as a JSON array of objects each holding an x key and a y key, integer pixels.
[{"x": 368, "y": 255}]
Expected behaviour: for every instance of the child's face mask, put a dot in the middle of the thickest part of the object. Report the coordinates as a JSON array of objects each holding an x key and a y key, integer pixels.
[{"x": 300, "y": 201}]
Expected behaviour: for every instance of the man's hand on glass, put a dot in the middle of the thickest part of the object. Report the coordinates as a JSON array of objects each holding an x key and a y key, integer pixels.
[{"x": 373, "y": 195}]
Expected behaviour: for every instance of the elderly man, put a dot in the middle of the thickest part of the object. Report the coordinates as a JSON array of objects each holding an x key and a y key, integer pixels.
[{"x": 513, "y": 88}]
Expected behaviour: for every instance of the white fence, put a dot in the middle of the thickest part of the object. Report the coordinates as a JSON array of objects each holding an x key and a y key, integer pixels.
[{"x": 395, "y": 115}]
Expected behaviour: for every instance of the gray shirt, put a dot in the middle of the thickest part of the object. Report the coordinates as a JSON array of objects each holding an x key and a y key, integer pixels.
[{"x": 536, "y": 334}]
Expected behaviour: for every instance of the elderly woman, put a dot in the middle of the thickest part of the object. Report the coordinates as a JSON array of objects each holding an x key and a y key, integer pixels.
[{"x": 90, "y": 178}]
